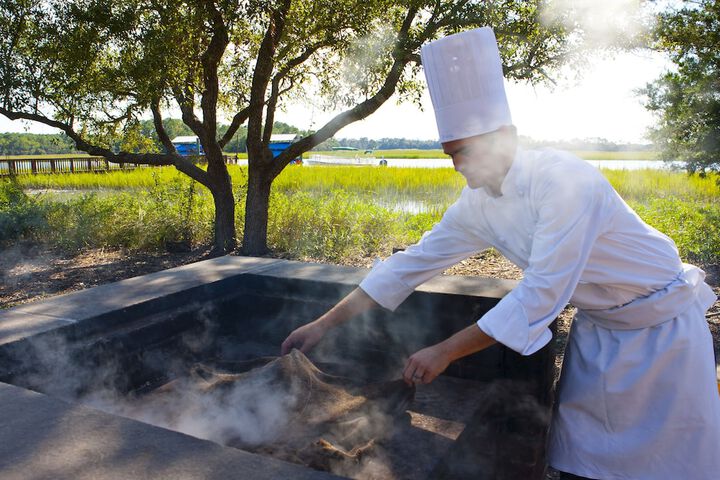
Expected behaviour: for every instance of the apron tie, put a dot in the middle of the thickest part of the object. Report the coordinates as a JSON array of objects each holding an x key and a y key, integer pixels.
[{"x": 658, "y": 307}]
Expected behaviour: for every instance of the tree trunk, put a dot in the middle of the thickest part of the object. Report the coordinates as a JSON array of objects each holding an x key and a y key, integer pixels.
[
  {"x": 256, "y": 212},
  {"x": 225, "y": 240},
  {"x": 220, "y": 185}
]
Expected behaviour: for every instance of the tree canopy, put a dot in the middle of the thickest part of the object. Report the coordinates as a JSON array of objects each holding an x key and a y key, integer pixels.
[
  {"x": 687, "y": 100},
  {"x": 93, "y": 68}
]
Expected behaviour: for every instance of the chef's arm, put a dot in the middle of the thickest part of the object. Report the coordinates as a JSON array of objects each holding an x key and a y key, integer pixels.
[
  {"x": 304, "y": 338},
  {"x": 425, "y": 365},
  {"x": 355, "y": 303},
  {"x": 466, "y": 342}
]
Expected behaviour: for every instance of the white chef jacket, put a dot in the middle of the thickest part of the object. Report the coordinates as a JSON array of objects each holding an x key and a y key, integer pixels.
[{"x": 637, "y": 398}]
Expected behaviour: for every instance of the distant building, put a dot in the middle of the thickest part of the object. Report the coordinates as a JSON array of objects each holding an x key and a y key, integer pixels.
[
  {"x": 280, "y": 141},
  {"x": 344, "y": 148},
  {"x": 188, "y": 145}
]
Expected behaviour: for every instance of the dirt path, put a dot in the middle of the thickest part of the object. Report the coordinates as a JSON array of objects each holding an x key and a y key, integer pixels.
[{"x": 28, "y": 274}]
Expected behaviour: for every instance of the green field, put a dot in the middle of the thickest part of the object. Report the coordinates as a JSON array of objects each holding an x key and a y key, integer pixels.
[{"x": 328, "y": 213}]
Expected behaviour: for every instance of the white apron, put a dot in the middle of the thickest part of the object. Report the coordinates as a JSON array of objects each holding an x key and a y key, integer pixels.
[{"x": 638, "y": 398}]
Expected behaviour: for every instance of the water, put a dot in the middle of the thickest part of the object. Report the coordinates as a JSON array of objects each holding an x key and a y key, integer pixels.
[
  {"x": 412, "y": 206},
  {"x": 609, "y": 164},
  {"x": 635, "y": 164}
]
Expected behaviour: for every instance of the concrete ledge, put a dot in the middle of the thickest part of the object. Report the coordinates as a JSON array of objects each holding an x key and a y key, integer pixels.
[
  {"x": 453, "y": 285},
  {"x": 44, "y": 315},
  {"x": 55, "y": 312},
  {"x": 42, "y": 437}
]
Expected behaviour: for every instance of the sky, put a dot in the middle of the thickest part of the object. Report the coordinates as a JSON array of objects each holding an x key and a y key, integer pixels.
[{"x": 600, "y": 101}]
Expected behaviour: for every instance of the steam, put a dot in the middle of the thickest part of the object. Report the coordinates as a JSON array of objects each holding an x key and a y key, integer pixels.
[
  {"x": 611, "y": 23},
  {"x": 249, "y": 414}
]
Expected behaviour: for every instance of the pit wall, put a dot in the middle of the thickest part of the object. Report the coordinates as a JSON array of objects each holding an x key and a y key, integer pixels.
[{"x": 442, "y": 305}]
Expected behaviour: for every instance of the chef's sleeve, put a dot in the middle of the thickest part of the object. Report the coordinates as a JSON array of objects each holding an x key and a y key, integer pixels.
[
  {"x": 570, "y": 207},
  {"x": 390, "y": 282}
]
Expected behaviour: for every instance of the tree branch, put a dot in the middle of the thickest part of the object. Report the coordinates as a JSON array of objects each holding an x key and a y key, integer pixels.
[
  {"x": 237, "y": 120},
  {"x": 300, "y": 59},
  {"x": 241, "y": 117},
  {"x": 448, "y": 19},
  {"x": 111, "y": 119},
  {"x": 181, "y": 163},
  {"x": 270, "y": 115},
  {"x": 261, "y": 77},
  {"x": 210, "y": 60},
  {"x": 160, "y": 128},
  {"x": 402, "y": 53},
  {"x": 276, "y": 92},
  {"x": 186, "y": 103}
]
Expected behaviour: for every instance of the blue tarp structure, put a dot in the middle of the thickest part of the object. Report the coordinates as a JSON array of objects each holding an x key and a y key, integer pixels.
[
  {"x": 280, "y": 141},
  {"x": 188, "y": 145}
]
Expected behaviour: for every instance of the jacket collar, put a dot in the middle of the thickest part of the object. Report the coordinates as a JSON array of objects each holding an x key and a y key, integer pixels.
[{"x": 512, "y": 183}]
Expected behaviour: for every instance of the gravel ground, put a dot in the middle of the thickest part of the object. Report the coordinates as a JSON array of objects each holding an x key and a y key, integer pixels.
[{"x": 29, "y": 273}]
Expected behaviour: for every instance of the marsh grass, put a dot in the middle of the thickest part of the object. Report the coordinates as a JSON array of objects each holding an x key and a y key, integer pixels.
[
  {"x": 173, "y": 211},
  {"x": 694, "y": 226},
  {"x": 324, "y": 213},
  {"x": 440, "y": 185},
  {"x": 114, "y": 180},
  {"x": 644, "y": 185}
]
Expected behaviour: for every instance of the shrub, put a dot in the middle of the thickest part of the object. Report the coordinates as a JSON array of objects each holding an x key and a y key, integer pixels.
[
  {"x": 175, "y": 211},
  {"x": 21, "y": 216},
  {"x": 693, "y": 225},
  {"x": 330, "y": 226}
]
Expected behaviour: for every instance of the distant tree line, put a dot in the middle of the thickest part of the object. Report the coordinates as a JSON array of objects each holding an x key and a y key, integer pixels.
[
  {"x": 34, "y": 144},
  {"x": 590, "y": 144},
  {"x": 143, "y": 138},
  {"x": 146, "y": 139},
  {"x": 382, "y": 144},
  {"x": 593, "y": 144}
]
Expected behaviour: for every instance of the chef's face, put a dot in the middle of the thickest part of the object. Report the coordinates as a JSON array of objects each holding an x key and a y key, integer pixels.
[{"x": 484, "y": 160}]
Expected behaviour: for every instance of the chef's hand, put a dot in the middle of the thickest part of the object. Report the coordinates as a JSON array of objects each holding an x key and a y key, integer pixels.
[
  {"x": 424, "y": 366},
  {"x": 303, "y": 338}
]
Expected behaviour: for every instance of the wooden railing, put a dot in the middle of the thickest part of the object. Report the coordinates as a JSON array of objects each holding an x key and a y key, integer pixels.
[{"x": 36, "y": 166}]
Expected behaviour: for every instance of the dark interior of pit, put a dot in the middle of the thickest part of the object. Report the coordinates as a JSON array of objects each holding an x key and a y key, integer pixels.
[{"x": 486, "y": 417}]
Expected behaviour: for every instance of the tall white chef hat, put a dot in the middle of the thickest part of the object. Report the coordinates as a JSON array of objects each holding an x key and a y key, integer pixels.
[{"x": 464, "y": 76}]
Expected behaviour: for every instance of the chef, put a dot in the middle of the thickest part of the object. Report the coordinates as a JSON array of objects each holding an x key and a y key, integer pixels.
[{"x": 637, "y": 398}]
